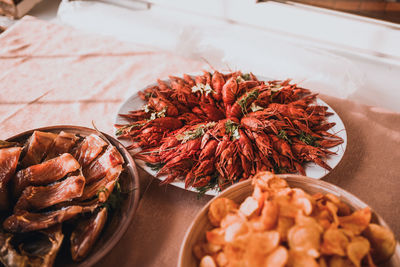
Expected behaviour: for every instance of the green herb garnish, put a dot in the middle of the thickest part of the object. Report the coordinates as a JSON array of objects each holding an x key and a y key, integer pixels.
[
  {"x": 232, "y": 129},
  {"x": 213, "y": 184},
  {"x": 243, "y": 78},
  {"x": 102, "y": 189},
  {"x": 158, "y": 114},
  {"x": 114, "y": 200},
  {"x": 243, "y": 101},
  {"x": 155, "y": 166},
  {"x": 283, "y": 135},
  {"x": 127, "y": 128},
  {"x": 246, "y": 76},
  {"x": 195, "y": 133},
  {"x": 308, "y": 139}
]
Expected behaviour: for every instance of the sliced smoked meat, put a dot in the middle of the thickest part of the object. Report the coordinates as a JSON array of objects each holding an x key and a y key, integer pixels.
[
  {"x": 35, "y": 249},
  {"x": 37, "y": 146},
  {"x": 89, "y": 149},
  {"x": 63, "y": 143},
  {"x": 98, "y": 168},
  {"x": 25, "y": 221},
  {"x": 8, "y": 163},
  {"x": 86, "y": 234},
  {"x": 103, "y": 187},
  {"x": 40, "y": 197},
  {"x": 44, "y": 173}
]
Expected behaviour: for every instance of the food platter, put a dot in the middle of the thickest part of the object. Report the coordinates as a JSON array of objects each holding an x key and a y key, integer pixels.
[
  {"x": 311, "y": 169},
  {"x": 240, "y": 191},
  {"x": 121, "y": 217}
]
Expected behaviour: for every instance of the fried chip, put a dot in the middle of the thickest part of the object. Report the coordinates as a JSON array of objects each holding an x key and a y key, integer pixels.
[
  {"x": 300, "y": 259},
  {"x": 382, "y": 242},
  {"x": 231, "y": 218},
  {"x": 322, "y": 262},
  {"x": 305, "y": 239},
  {"x": 234, "y": 252},
  {"x": 304, "y": 220},
  {"x": 324, "y": 218},
  {"x": 234, "y": 230},
  {"x": 268, "y": 181},
  {"x": 282, "y": 226},
  {"x": 334, "y": 242},
  {"x": 268, "y": 218},
  {"x": 277, "y": 258},
  {"x": 207, "y": 261},
  {"x": 210, "y": 248},
  {"x": 343, "y": 208},
  {"x": 198, "y": 250},
  {"x": 249, "y": 206},
  {"x": 286, "y": 207},
  {"x": 337, "y": 261},
  {"x": 357, "y": 249},
  {"x": 356, "y": 222},
  {"x": 258, "y": 246},
  {"x": 221, "y": 259},
  {"x": 216, "y": 236},
  {"x": 219, "y": 208}
]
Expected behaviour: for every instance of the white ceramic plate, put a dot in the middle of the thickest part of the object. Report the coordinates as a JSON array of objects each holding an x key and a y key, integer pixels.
[{"x": 312, "y": 170}]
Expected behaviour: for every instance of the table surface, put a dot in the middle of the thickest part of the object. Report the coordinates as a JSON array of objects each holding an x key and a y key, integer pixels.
[{"x": 52, "y": 75}]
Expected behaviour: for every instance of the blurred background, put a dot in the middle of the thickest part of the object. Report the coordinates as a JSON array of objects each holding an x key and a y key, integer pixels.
[{"x": 345, "y": 48}]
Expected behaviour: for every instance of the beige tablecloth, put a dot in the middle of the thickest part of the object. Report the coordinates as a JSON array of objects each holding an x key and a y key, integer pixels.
[{"x": 52, "y": 75}]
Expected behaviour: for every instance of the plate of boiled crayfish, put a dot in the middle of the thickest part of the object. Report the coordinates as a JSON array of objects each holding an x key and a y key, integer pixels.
[{"x": 208, "y": 131}]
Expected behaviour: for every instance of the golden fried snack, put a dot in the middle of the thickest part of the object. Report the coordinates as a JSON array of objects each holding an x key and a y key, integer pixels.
[{"x": 282, "y": 226}]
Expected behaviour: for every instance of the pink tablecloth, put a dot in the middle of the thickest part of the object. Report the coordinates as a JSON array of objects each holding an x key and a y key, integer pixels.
[{"x": 51, "y": 75}]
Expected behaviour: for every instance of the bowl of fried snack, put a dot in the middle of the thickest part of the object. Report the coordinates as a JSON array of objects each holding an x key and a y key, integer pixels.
[
  {"x": 287, "y": 220},
  {"x": 67, "y": 195}
]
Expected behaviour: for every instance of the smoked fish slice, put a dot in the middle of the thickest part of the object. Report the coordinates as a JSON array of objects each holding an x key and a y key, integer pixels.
[
  {"x": 25, "y": 221},
  {"x": 37, "y": 146},
  {"x": 86, "y": 234},
  {"x": 98, "y": 168},
  {"x": 8, "y": 163},
  {"x": 44, "y": 173},
  {"x": 89, "y": 149},
  {"x": 63, "y": 143},
  {"x": 40, "y": 197},
  {"x": 103, "y": 187},
  {"x": 36, "y": 249}
]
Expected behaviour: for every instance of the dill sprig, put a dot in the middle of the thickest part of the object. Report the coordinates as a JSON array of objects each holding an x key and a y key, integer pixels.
[
  {"x": 283, "y": 135},
  {"x": 243, "y": 78},
  {"x": 158, "y": 114},
  {"x": 195, "y": 133},
  {"x": 155, "y": 166},
  {"x": 213, "y": 184},
  {"x": 127, "y": 128},
  {"x": 249, "y": 95},
  {"x": 308, "y": 139},
  {"x": 114, "y": 199},
  {"x": 232, "y": 129},
  {"x": 246, "y": 76}
]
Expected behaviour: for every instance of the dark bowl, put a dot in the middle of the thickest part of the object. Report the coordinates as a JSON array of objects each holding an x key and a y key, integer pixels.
[{"x": 120, "y": 219}]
